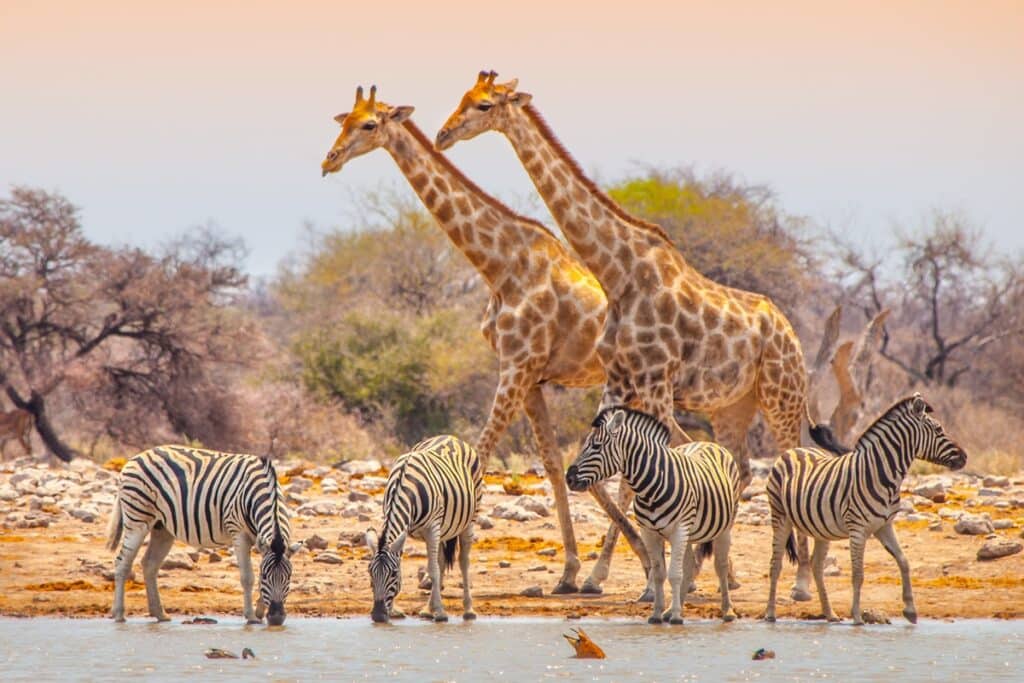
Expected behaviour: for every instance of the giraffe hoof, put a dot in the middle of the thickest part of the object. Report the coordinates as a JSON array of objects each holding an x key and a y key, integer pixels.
[
  {"x": 646, "y": 596},
  {"x": 591, "y": 589},
  {"x": 440, "y": 618},
  {"x": 729, "y": 616},
  {"x": 653, "y": 620},
  {"x": 163, "y": 617},
  {"x": 769, "y": 618},
  {"x": 468, "y": 615},
  {"x": 564, "y": 588},
  {"x": 910, "y": 615},
  {"x": 734, "y": 584},
  {"x": 692, "y": 588},
  {"x": 676, "y": 621},
  {"x": 799, "y": 595}
]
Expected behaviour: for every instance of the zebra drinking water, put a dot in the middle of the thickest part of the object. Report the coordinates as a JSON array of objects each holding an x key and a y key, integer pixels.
[
  {"x": 686, "y": 495},
  {"x": 432, "y": 494},
  {"x": 854, "y": 496},
  {"x": 206, "y": 499}
]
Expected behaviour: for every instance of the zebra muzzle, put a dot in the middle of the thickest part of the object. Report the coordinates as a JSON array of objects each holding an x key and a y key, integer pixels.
[{"x": 572, "y": 480}]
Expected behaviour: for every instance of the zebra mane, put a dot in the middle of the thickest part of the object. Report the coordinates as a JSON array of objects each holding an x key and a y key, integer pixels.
[
  {"x": 664, "y": 432},
  {"x": 892, "y": 409},
  {"x": 277, "y": 542},
  {"x": 391, "y": 490}
]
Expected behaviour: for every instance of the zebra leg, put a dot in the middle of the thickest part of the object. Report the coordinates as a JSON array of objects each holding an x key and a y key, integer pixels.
[
  {"x": 801, "y": 591},
  {"x": 723, "y": 567},
  {"x": 465, "y": 543},
  {"x": 160, "y": 542},
  {"x": 655, "y": 550},
  {"x": 436, "y": 606},
  {"x": 243, "y": 546},
  {"x": 679, "y": 574},
  {"x": 540, "y": 421},
  {"x": 857, "y": 542},
  {"x": 133, "y": 539},
  {"x": 887, "y": 535},
  {"x": 818, "y": 566},
  {"x": 781, "y": 530}
]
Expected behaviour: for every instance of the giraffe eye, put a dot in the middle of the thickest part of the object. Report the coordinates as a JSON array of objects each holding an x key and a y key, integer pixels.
[
  {"x": 484, "y": 106},
  {"x": 369, "y": 125}
]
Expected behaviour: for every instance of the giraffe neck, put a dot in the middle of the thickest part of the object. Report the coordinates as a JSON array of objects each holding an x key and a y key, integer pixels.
[
  {"x": 595, "y": 226},
  {"x": 482, "y": 228}
]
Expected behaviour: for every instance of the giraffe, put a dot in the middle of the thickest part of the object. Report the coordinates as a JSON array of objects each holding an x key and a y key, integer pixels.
[
  {"x": 545, "y": 311},
  {"x": 672, "y": 336}
]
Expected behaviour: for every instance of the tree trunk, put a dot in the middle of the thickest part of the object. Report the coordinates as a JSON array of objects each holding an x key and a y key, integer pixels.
[{"x": 37, "y": 406}]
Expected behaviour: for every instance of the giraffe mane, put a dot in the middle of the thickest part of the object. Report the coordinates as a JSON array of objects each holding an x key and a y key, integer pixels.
[
  {"x": 473, "y": 187},
  {"x": 548, "y": 134}
]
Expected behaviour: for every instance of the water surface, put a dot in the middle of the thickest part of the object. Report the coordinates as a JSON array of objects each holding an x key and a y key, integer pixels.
[{"x": 527, "y": 649}]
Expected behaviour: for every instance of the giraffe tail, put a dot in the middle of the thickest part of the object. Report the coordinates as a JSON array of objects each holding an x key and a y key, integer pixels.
[
  {"x": 823, "y": 435},
  {"x": 116, "y": 525}
]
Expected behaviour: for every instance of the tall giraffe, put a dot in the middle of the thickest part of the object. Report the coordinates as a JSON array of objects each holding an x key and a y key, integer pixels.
[
  {"x": 672, "y": 337},
  {"x": 545, "y": 311}
]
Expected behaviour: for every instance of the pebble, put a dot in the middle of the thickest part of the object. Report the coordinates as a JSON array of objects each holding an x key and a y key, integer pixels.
[
  {"x": 504, "y": 564},
  {"x": 178, "y": 559},
  {"x": 973, "y": 525},
  {"x": 316, "y": 542},
  {"x": 989, "y": 492},
  {"x": 532, "y": 504},
  {"x": 532, "y": 592},
  {"x": 537, "y": 568},
  {"x": 996, "y": 481},
  {"x": 484, "y": 522},
  {"x": 995, "y": 548},
  {"x": 358, "y": 496},
  {"x": 1003, "y": 524},
  {"x": 931, "y": 490},
  {"x": 327, "y": 557},
  {"x": 361, "y": 466},
  {"x": 513, "y": 512},
  {"x": 547, "y": 552},
  {"x": 831, "y": 567}
]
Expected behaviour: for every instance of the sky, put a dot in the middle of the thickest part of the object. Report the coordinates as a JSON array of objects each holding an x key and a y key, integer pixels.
[{"x": 157, "y": 116}]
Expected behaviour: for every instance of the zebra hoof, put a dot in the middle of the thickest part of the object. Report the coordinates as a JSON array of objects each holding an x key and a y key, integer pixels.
[
  {"x": 910, "y": 615},
  {"x": 799, "y": 595},
  {"x": 729, "y": 616},
  {"x": 396, "y": 614},
  {"x": 440, "y": 618},
  {"x": 118, "y": 620},
  {"x": 769, "y": 618},
  {"x": 164, "y": 617},
  {"x": 676, "y": 621},
  {"x": 692, "y": 588},
  {"x": 653, "y": 620},
  {"x": 833, "y": 619},
  {"x": 734, "y": 584},
  {"x": 591, "y": 588},
  {"x": 564, "y": 588},
  {"x": 646, "y": 596},
  {"x": 469, "y": 616}
]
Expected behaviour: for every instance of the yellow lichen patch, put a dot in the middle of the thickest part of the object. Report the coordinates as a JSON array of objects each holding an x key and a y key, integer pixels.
[
  {"x": 514, "y": 544},
  {"x": 12, "y": 539},
  {"x": 115, "y": 464},
  {"x": 958, "y": 581},
  {"x": 47, "y": 586},
  {"x": 526, "y": 480},
  {"x": 917, "y": 525},
  {"x": 193, "y": 588}
]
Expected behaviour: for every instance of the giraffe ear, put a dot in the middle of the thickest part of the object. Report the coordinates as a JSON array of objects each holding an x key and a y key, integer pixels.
[
  {"x": 520, "y": 99},
  {"x": 617, "y": 420},
  {"x": 399, "y": 114},
  {"x": 340, "y": 118}
]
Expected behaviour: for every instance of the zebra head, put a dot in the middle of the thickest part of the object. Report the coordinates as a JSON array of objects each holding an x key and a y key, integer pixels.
[
  {"x": 603, "y": 451},
  {"x": 933, "y": 444},
  {"x": 275, "y": 578},
  {"x": 385, "y": 574}
]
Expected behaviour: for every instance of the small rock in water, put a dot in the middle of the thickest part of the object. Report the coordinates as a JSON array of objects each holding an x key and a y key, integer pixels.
[
  {"x": 199, "y": 621},
  {"x": 532, "y": 592},
  {"x": 763, "y": 653},
  {"x": 995, "y": 548},
  {"x": 871, "y": 616}
]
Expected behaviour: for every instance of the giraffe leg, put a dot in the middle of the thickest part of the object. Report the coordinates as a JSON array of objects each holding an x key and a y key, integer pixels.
[
  {"x": 130, "y": 545},
  {"x": 887, "y": 535},
  {"x": 537, "y": 412},
  {"x": 513, "y": 383},
  {"x": 619, "y": 523},
  {"x": 160, "y": 542}
]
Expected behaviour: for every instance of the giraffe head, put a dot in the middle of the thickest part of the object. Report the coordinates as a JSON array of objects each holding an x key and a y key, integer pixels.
[
  {"x": 363, "y": 129},
  {"x": 484, "y": 107}
]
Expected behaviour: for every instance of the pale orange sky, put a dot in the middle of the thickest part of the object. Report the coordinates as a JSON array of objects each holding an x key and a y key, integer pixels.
[{"x": 156, "y": 116}]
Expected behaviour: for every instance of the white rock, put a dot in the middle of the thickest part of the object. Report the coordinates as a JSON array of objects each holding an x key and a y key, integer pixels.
[
  {"x": 950, "y": 513},
  {"x": 930, "y": 489},
  {"x": 358, "y": 496},
  {"x": 299, "y": 485},
  {"x": 1003, "y": 524},
  {"x": 996, "y": 481},
  {"x": 178, "y": 559},
  {"x": 973, "y": 525},
  {"x": 8, "y": 494},
  {"x": 361, "y": 466},
  {"x": 484, "y": 522},
  {"x": 513, "y": 512},
  {"x": 86, "y": 515},
  {"x": 532, "y": 504},
  {"x": 327, "y": 557},
  {"x": 832, "y": 566},
  {"x": 328, "y": 482}
]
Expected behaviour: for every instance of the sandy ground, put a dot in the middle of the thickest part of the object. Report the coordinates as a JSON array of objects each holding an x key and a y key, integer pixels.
[{"x": 59, "y": 570}]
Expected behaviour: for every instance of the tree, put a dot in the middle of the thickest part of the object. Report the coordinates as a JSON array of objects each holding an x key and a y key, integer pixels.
[
  {"x": 135, "y": 332},
  {"x": 953, "y": 300}
]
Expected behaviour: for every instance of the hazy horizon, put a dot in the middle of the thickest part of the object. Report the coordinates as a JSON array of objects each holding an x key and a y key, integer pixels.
[{"x": 154, "y": 117}]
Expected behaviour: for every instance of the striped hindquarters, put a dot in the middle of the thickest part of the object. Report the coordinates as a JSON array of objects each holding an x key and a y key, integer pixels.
[
  {"x": 696, "y": 484},
  {"x": 813, "y": 489},
  {"x": 203, "y": 497}
]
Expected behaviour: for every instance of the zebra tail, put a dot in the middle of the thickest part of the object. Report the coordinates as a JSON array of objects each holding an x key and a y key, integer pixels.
[
  {"x": 791, "y": 548},
  {"x": 705, "y": 550},
  {"x": 826, "y": 438},
  {"x": 449, "y": 553},
  {"x": 116, "y": 525}
]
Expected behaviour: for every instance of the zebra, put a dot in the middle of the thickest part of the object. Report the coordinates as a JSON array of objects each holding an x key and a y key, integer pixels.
[
  {"x": 687, "y": 495},
  {"x": 854, "y": 496},
  {"x": 432, "y": 493},
  {"x": 206, "y": 499}
]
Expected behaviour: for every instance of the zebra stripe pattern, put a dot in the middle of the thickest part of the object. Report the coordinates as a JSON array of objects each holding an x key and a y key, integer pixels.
[
  {"x": 432, "y": 493},
  {"x": 686, "y": 495},
  {"x": 205, "y": 499},
  {"x": 854, "y": 496}
]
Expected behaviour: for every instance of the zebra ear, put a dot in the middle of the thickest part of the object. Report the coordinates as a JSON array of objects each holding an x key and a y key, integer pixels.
[
  {"x": 919, "y": 405},
  {"x": 617, "y": 420},
  {"x": 398, "y": 544},
  {"x": 371, "y": 540}
]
